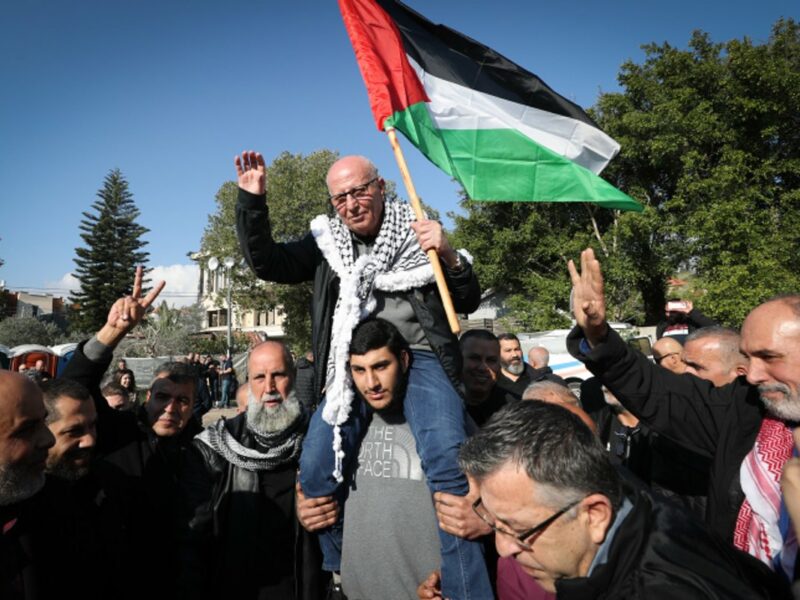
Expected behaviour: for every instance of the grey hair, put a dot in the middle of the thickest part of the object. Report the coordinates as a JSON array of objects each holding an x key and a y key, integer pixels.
[
  {"x": 553, "y": 446},
  {"x": 534, "y": 391},
  {"x": 728, "y": 339}
]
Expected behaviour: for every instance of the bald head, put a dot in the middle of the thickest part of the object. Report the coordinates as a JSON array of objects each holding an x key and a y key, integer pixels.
[
  {"x": 357, "y": 194},
  {"x": 667, "y": 353},
  {"x": 270, "y": 369},
  {"x": 24, "y": 438},
  {"x": 352, "y": 163},
  {"x": 538, "y": 357},
  {"x": 771, "y": 342},
  {"x": 555, "y": 393}
]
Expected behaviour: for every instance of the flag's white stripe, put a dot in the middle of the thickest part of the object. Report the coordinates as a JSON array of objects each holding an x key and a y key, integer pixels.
[{"x": 454, "y": 106}]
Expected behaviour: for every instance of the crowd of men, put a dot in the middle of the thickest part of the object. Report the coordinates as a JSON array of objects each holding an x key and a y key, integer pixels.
[{"x": 406, "y": 462}]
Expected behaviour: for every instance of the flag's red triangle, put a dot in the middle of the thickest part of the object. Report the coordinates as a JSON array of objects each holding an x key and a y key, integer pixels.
[{"x": 391, "y": 83}]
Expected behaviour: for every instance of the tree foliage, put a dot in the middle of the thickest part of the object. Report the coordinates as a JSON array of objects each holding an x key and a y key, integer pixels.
[
  {"x": 29, "y": 330},
  {"x": 106, "y": 264},
  {"x": 167, "y": 331},
  {"x": 710, "y": 141},
  {"x": 710, "y": 146},
  {"x": 296, "y": 193}
]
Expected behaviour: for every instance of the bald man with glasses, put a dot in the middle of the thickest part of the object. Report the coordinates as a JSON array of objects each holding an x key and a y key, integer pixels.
[{"x": 368, "y": 259}]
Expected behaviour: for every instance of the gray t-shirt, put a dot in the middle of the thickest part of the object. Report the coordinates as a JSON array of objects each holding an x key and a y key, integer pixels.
[{"x": 391, "y": 540}]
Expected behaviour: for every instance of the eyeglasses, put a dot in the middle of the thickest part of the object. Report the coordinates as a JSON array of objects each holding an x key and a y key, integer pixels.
[
  {"x": 360, "y": 192},
  {"x": 658, "y": 359},
  {"x": 521, "y": 539}
]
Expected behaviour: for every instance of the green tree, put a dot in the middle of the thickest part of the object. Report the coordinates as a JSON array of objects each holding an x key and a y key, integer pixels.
[
  {"x": 28, "y": 330},
  {"x": 166, "y": 332},
  {"x": 106, "y": 264},
  {"x": 710, "y": 141},
  {"x": 710, "y": 147},
  {"x": 296, "y": 191}
]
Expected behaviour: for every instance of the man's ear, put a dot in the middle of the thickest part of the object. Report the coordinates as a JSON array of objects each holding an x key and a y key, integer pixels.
[
  {"x": 741, "y": 370},
  {"x": 599, "y": 515},
  {"x": 405, "y": 359}
]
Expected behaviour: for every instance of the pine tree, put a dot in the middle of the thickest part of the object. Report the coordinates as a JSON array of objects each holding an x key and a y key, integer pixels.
[{"x": 106, "y": 265}]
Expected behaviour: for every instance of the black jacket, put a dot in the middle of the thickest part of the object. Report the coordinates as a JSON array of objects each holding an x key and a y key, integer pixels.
[
  {"x": 718, "y": 423},
  {"x": 145, "y": 470},
  {"x": 244, "y": 539},
  {"x": 660, "y": 552},
  {"x": 296, "y": 262}
]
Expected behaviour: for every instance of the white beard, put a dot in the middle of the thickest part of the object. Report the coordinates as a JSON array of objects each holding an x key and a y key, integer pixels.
[
  {"x": 263, "y": 419},
  {"x": 19, "y": 483},
  {"x": 787, "y": 409}
]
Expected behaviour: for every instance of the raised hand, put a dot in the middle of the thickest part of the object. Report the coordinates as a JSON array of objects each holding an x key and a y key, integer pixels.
[
  {"x": 128, "y": 312},
  {"x": 251, "y": 172},
  {"x": 588, "y": 299}
]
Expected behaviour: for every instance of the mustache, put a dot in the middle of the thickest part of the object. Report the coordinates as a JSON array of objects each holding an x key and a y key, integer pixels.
[{"x": 774, "y": 387}]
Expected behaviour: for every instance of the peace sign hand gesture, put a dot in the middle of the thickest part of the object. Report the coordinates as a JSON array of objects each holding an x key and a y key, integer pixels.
[{"x": 128, "y": 312}]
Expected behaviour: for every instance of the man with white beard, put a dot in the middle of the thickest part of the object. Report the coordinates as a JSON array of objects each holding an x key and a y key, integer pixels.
[
  {"x": 244, "y": 540},
  {"x": 745, "y": 428}
]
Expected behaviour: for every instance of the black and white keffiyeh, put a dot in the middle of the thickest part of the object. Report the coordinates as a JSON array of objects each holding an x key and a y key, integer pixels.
[
  {"x": 278, "y": 448},
  {"x": 396, "y": 263}
]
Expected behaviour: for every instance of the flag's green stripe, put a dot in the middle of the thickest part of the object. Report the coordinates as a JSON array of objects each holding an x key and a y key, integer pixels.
[{"x": 503, "y": 164}]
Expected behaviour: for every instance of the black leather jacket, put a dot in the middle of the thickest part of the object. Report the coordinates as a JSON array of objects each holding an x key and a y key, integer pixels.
[
  {"x": 244, "y": 539},
  {"x": 295, "y": 262}
]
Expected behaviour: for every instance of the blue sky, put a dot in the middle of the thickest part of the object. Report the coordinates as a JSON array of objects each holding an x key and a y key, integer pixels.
[{"x": 169, "y": 91}]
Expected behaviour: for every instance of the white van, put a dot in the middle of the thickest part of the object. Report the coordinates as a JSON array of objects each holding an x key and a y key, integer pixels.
[{"x": 561, "y": 361}]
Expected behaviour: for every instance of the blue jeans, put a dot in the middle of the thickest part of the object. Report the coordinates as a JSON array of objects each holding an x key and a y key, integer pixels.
[
  {"x": 226, "y": 388},
  {"x": 436, "y": 415}
]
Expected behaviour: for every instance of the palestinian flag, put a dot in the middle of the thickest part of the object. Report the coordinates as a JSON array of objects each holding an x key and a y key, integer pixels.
[{"x": 497, "y": 128}]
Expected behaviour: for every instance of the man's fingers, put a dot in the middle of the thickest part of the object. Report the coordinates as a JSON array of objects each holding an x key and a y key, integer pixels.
[
  {"x": 137, "y": 283},
  {"x": 237, "y": 161},
  {"x": 150, "y": 298},
  {"x": 573, "y": 273}
]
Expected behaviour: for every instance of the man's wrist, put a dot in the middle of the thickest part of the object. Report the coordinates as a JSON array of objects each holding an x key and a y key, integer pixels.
[
  {"x": 596, "y": 335},
  {"x": 110, "y": 336}
]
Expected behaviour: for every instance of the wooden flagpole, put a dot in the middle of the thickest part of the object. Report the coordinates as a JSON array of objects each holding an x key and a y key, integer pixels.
[{"x": 438, "y": 273}]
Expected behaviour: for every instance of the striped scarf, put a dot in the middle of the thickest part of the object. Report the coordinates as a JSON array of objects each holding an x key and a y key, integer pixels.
[
  {"x": 396, "y": 263},
  {"x": 762, "y": 526}
]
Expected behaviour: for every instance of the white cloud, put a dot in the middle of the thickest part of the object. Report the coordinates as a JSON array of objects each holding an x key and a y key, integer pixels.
[
  {"x": 182, "y": 280},
  {"x": 181, "y": 288},
  {"x": 64, "y": 286}
]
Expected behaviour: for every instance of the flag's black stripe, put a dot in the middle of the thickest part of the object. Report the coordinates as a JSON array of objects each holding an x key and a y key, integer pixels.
[{"x": 452, "y": 56}]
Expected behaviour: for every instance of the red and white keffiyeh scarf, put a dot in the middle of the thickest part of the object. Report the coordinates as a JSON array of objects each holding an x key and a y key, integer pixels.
[{"x": 762, "y": 527}]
